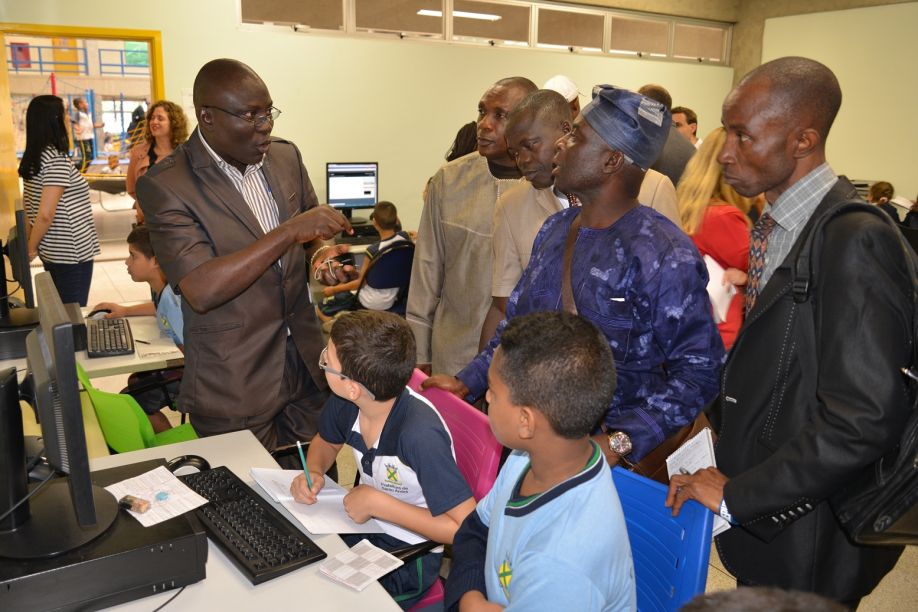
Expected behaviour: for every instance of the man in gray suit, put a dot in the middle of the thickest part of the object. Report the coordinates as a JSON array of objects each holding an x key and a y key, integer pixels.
[{"x": 233, "y": 217}]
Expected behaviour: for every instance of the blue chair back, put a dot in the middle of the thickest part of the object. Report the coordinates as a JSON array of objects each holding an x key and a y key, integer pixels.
[
  {"x": 391, "y": 269},
  {"x": 670, "y": 553}
]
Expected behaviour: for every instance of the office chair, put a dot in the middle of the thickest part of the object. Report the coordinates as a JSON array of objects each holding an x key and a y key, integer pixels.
[
  {"x": 477, "y": 455},
  {"x": 391, "y": 269},
  {"x": 670, "y": 553},
  {"x": 125, "y": 425}
]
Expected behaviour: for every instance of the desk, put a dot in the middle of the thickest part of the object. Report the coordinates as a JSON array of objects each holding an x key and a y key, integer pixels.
[
  {"x": 227, "y": 589},
  {"x": 159, "y": 354}
]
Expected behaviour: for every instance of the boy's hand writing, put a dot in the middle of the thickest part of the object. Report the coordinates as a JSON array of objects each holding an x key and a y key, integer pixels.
[
  {"x": 301, "y": 491},
  {"x": 359, "y": 503}
]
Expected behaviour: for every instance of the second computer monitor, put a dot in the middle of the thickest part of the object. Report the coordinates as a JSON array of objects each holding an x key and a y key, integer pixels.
[{"x": 352, "y": 185}]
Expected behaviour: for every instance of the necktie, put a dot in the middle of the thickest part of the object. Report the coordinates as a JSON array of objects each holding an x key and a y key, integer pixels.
[{"x": 757, "y": 247}]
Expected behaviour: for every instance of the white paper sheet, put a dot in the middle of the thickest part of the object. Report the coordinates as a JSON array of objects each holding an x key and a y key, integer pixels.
[
  {"x": 168, "y": 496},
  {"x": 696, "y": 454},
  {"x": 327, "y": 515},
  {"x": 721, "y": 295}
]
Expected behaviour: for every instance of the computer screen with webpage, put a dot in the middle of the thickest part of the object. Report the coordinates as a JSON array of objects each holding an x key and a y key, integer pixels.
[{"x": 352, "y": 185}]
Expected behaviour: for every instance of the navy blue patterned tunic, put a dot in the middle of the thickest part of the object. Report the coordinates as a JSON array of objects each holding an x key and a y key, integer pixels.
[{"x": 643, "y": 283}]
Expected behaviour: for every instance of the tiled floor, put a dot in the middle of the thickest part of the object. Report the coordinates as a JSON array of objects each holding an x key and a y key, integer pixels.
[{"x": 111, "y": 282}]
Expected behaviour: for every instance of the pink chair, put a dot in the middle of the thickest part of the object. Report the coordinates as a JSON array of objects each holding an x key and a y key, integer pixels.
[{"x": 477, "y": 452}]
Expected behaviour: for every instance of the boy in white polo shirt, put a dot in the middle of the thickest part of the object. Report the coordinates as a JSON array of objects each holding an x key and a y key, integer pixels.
[{"x": 408, "y": 472}]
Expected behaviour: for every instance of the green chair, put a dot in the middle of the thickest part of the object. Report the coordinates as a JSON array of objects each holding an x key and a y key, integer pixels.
[{"x": 125, "y": 425}]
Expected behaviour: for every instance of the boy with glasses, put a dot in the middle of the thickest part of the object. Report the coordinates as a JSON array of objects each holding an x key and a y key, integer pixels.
[{"x": 409, "y": 478}]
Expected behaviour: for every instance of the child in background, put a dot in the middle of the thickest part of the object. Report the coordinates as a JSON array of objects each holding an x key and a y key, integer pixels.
[
  {"x": 113, "y": 167},
  {"x": 339, "y": 297},
  {"x": 167, "y": 308},
  {"x": 551, "y": 534},
  {"x": 408, "y": 471}
]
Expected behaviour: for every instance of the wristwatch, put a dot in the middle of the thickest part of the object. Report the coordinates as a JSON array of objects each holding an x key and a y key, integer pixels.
[{"x": 619, "y": 443}]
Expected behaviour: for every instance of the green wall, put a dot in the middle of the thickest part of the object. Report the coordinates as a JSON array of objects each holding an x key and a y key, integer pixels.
[{"x": 873, "y": 52}]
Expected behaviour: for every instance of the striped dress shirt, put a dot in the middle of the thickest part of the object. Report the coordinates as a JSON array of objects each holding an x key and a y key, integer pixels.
[{"x": 254, "y": 188}]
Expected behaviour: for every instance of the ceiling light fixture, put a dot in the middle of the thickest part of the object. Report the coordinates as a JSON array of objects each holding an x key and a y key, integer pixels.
[{"x": 465, "y": 14}]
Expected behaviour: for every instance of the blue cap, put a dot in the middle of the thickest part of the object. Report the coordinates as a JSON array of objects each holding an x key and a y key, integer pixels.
[{"x": 629, "y": 122}]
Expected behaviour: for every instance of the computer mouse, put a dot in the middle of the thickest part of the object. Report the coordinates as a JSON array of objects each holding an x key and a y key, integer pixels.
[
  {"x": 98, "y": 314},
  {"x": 187, "y": 464}
]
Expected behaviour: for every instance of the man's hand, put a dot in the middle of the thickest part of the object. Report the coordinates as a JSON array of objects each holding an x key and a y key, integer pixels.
[
  {"x": 705, "y": 486},
  {"x": 318, "y": 222},
  {"x": 359, "y": 503},
  {"x": 447, "y": 383},
  {"x": 329, "y": 271},
  {"x": 33, "y": 255},
  {"x": 302, "y": 493}
]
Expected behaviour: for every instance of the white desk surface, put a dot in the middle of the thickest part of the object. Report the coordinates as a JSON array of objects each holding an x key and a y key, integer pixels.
[
  {"x": 225, "y": 588},
  {"x": 159, "y": 354}
]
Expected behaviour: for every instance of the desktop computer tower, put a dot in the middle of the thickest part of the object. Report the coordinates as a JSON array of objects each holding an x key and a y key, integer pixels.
[{"x": 127, "y": 562}]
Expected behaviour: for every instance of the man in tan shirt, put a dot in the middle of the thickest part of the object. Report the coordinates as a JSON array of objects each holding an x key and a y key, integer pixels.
[{"x": 451, "y": 274}]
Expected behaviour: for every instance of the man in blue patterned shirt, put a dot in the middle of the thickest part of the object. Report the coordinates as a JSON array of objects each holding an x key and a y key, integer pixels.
[{"x": 632, "y": 272}]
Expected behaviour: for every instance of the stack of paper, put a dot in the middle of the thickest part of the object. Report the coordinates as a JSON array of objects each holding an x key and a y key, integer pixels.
[
  {"x": 721, "y": 295},
  {"x": 327, "y": 515},
  {"x": 694, "y": 455},
  {"x": 360, "y": 566}
]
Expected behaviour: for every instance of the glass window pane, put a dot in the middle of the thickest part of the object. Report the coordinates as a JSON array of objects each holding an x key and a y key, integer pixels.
[
  {"x": 569, "y": 29},
  {"x": 639, "y": 36},
  {"x": 415, "y": 16},
  {"x": 502, "y": 23},
  {"x": 696, "y": 41},
  {"x": 321, "y": 14}
]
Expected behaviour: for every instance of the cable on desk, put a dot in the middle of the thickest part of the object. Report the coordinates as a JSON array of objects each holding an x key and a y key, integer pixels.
[
  {"x": 26, "y": 498},
  {"x": 169, "y": 601}
]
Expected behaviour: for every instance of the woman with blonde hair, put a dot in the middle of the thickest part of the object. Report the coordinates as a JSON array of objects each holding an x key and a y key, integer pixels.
[
  {"x": 165, "y": 128},
  {"x": 714, "y": 215}
]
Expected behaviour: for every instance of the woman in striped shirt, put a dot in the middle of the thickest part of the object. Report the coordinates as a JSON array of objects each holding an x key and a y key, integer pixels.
[{"x": 56, "y": 199}]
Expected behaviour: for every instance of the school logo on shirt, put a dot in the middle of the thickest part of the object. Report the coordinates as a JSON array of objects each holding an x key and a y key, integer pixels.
[
  {"x": 392, "y": 474},
  {"x": 504, "y": 576}
]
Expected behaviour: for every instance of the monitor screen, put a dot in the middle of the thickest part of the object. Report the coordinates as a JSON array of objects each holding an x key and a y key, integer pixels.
[
  {"x": 352, "y": 185},
  {"x": 18, "y": 252}
]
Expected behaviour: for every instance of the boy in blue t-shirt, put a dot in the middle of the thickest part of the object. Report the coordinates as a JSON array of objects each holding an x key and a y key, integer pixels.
[
  {"x": 409, "y": 478},
  {"x": 551, "y": 534},
  {"x": 167, "y": 307}
]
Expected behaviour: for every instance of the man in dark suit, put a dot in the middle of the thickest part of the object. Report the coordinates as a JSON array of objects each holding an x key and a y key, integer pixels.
[
  {"x": 230, "y": 212},
  {"x": 797, "y": 424}
]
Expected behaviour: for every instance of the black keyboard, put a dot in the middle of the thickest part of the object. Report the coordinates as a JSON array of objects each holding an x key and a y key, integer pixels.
[
  {"x": 355, "y": 240},
  {"x": 108, "y": 337},
  {"x": 259, "y": 539}
]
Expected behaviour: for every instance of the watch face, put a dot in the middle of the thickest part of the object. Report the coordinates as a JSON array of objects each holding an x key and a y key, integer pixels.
[{"x": 620, "y": 443}]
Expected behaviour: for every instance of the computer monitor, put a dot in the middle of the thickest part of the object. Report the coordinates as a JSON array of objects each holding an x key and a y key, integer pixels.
[
  {"x": 17, "y": 250},
  {"x": 66, "y": 512},
  {"x": 352, "y": 185}
]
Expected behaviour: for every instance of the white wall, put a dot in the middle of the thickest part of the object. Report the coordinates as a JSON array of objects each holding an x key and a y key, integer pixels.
[
  {"x": 348, "y": 99},
  {"x": 872, "y": 52}
]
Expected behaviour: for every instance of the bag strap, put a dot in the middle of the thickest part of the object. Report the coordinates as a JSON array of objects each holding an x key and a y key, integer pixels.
[
  {"x": 567, "y": 292},
  {"x": 807, "y": 264}
]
